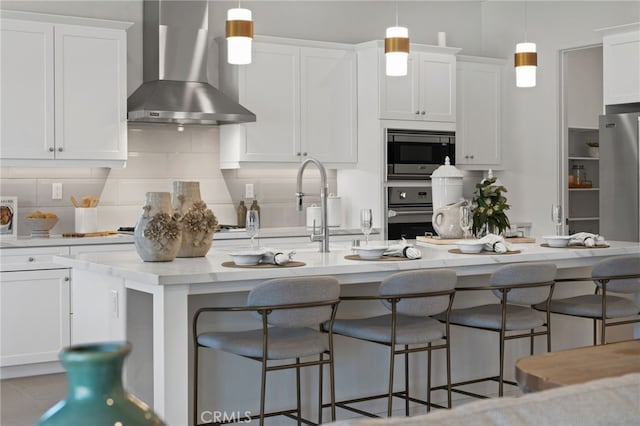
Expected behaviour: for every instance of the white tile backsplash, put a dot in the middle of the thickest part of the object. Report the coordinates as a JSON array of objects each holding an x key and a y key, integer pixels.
[{"x": 159, "y": 155}]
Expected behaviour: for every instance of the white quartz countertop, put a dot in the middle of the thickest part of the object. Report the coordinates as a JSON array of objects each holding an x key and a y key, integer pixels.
[
  {"x": 209, "y": 269},
  {"x": 59, "y": 240}
]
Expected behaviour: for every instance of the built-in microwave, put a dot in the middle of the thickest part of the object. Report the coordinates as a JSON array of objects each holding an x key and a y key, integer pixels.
[{"x": 415, "y": 154}]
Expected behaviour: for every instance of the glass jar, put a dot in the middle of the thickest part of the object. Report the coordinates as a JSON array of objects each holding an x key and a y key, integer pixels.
[{"x": 577, "y": 171}]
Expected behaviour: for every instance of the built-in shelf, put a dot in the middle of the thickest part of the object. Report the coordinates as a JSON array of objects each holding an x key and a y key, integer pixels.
[
  {"x": 579, "y": 219},
  {"x": 584, "y": 189},
  {"x": 584, "y": 158}
]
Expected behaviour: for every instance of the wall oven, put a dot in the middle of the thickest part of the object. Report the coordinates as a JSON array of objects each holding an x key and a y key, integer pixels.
[
  {"x": 415, "y": 154},
  {"x": 409, "y": 211}
]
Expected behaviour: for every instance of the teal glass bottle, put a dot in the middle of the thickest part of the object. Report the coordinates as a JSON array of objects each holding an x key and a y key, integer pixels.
[{"x": 95, "y": 394}]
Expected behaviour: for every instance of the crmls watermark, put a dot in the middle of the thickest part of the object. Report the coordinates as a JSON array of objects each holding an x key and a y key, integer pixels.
[{"x": 222, "y": 416}]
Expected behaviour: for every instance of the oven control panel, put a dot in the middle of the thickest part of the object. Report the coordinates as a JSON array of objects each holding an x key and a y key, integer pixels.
[{"x": 410, "y": 196}]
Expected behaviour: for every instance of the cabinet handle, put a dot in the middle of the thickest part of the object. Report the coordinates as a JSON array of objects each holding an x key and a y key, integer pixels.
[
  {"x": 417, "y": 112},
  {"x": 60, "y": 149},
  {"x": 67, "y": 279},
  {"x": 31, "y": 259},
  {"x": 424, "y": 112},
  {"x": 472, "y": 157},
  {"x": 298, "y": 154},
  {"x": 466, "y": 156},
  {"x": 51, "y": 149},
  {"x": 304, "y": 153}
]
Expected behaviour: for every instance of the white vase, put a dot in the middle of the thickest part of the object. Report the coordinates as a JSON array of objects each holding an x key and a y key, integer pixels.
[
  {"x": 157, "y": 234},
  {"x": 198, "y": 222},
  {"x": 594, "y": 151}
]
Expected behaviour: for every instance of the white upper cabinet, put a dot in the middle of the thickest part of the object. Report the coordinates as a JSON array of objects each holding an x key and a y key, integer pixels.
[
  {"x": 270, "y": 88},
  {"x": 304, "y": 98},
  {"x": 26, "y": 54},
  {"x": 426, "y": 93},
  {"x": 621, "y": 64},
  {"x": 63, "y": 91},
  {"x": 478, "y": 135}
]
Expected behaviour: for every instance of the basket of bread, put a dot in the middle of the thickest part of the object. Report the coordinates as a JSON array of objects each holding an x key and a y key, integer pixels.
[{"x": 40, "y": 223}]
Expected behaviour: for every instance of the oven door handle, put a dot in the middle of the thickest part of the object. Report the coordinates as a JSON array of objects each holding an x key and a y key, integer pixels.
[{"x": 393, "y": 213}]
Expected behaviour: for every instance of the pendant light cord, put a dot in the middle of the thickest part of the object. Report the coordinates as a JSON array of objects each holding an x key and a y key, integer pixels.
[
  {"x": 525, "y": 20},
  {"x": 396, "y": 14}
]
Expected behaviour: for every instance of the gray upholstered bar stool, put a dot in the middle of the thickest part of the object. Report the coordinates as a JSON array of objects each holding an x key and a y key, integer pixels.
[
  {"x": 412, "y": 297},
  {"x": 291, "y": 311},
  {"x": 617, "y": 275},
  {"x": 518, "y": 287}
]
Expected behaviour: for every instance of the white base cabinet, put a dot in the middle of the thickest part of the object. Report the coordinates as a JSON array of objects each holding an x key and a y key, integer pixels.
[
  {"x": 304, "y": 97},
  {"x": 479, "y": 128},
  {"x": 63, "y": 91},
  {"x": 35, "y": 316},
  {"x": 42, "y": 311}
]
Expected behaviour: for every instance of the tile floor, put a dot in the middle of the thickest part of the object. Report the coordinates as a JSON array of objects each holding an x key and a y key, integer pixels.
[{"x": 24, "y": 400}]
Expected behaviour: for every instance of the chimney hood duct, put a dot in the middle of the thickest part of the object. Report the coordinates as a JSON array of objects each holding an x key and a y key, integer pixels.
[{"x": 175, "y": 88}]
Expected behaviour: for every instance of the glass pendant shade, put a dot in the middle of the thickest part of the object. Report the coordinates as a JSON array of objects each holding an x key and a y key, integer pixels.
[
  {"x": 239, "y": 33},
  {"x": 526, "y": 61},
  {"x": 396, "y": 50}
]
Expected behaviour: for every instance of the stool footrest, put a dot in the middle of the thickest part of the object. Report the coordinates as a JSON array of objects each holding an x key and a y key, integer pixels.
[
  {"x": 470, "y": 382},
  {"x": 399, "y": 394}
]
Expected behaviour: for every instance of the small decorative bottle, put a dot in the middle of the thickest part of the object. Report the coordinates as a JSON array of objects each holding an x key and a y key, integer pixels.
[
  {"x": 242, "y": 215},
  {"x": 157, "y": 235},
  {"x": 256, "y": 207},
  {"x": 198, "y": 222},
  {"x": 95, "y": 394}
]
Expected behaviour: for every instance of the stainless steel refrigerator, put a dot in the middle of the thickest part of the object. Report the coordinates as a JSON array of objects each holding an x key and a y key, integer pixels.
[{"x": 619, "y": 176}]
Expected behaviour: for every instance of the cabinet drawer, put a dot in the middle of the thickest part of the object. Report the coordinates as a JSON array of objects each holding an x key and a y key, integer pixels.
[{"x": 28, "y": 259}]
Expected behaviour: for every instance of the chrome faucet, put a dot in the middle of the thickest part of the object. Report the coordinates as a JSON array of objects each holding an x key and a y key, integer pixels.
[{"x": 323, "y": 237}]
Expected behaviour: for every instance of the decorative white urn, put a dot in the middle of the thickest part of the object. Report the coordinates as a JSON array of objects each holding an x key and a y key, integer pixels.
[
  {"x": 157, "y": 234},
  {"x": 198, "y": 222}
]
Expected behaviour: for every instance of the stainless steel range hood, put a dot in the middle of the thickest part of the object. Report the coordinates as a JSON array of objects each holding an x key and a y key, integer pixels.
[{"x": 175, "y": 88}]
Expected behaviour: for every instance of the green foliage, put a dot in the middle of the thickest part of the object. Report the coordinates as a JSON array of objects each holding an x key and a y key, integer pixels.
[{"x": 489, "y": 206}]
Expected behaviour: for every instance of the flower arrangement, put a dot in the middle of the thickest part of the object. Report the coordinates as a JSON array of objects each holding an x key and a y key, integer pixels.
[
  {"x": 200, "y": 221},
  {"x": 162, "y": 229},
  {"x": 489, "y": 206}
]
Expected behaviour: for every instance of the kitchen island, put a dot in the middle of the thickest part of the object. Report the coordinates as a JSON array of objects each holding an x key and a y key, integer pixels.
[{"x": 151, "y": 304}]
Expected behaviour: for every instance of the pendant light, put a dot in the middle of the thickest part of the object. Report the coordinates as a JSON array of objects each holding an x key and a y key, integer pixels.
[
  {"x": 525, "y": 59},
  {"x": 396, "y": 49},
  {"x": 239, "y": 33}
]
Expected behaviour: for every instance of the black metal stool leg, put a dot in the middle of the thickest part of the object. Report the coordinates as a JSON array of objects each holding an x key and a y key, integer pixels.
[
  {"x": 320, "y": 390},
  {"x": 429, "y": 378},
  {"x": 298, "y": 404},
  {"x": 391, "y": 368},
  {"x": 406, "y": 380}
]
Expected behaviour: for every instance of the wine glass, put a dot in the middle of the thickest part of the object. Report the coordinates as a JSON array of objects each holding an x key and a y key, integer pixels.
[
  {"x": 466, "y": 218},
  {"x": 253, "y": 225},
  {"x": 366, "y": 223},
  {"x": 556, "y": 217}
]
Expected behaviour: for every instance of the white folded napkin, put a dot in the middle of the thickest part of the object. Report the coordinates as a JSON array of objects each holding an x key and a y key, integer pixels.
[
  {"x": 276, "y": 257},
  {"x": 495, "y": 243},
  {"x": 403, "y": 250},
  {"x": 587, "y": 239}
]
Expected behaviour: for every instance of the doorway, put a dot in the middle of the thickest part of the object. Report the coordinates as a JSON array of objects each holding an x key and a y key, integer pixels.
[{"x": 580, "y": 105}]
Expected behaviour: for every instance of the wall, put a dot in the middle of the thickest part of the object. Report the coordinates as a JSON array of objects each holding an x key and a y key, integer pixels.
[
  {"x": 159, "y": 155},
  {"x": 489, "y": 28},
  {"x": 531, "y": 116}
]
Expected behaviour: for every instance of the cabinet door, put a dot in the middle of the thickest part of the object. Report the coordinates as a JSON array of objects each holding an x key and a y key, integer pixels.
[
  {"x": 26, "y": 120},
  {"x": 399, "y": 96},
  {"x": 437, "y": 87},
  {"x": 35, "y": 315},
  {"x": 328, "y": 105},
  {"x": 270, "y": 87},
  {"x": 621, "y": 68},
  {"x": 478, "y": 136},
  {"x": 90, "y": 85}
]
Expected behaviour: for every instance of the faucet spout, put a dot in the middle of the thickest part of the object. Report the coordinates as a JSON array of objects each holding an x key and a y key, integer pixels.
[{"x": 323, "y": 237}]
